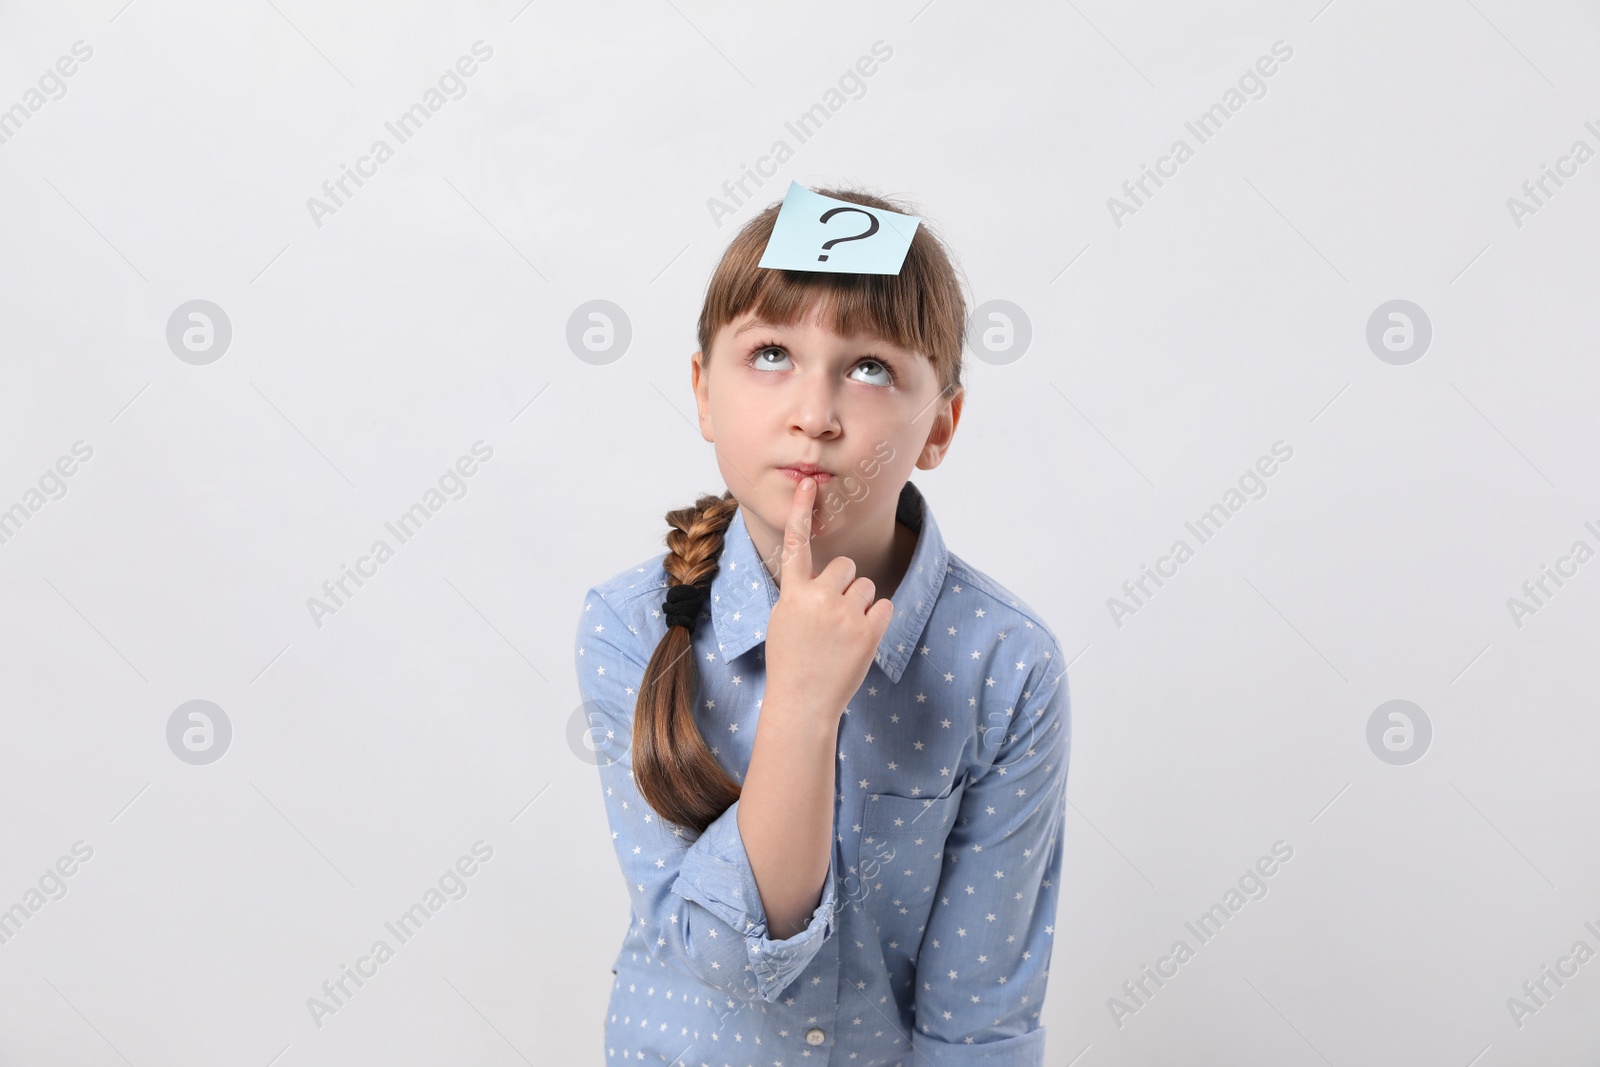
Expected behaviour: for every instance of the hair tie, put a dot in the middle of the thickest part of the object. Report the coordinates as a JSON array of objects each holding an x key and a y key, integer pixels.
[{"x": 683, "y": 605}]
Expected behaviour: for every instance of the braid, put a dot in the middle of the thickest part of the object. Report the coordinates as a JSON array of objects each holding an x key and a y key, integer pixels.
[
  {"x": 695, "y": 542},
  {"x": 673, "y": 767}
]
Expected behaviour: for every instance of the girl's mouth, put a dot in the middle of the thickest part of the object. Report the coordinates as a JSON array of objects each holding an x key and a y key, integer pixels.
[{"x": 821, "y": 477}]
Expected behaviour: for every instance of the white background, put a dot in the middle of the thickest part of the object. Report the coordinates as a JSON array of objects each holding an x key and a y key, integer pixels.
[{"x": 1167, "y": 354}]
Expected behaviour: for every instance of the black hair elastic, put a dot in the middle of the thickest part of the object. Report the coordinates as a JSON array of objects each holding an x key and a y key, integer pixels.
[{"x": 683, "y": 605}]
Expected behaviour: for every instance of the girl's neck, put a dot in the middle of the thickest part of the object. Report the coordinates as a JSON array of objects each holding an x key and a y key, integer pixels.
[{"x": 881, "y": 549}]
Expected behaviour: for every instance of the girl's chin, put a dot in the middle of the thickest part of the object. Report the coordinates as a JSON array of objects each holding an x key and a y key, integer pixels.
[{"x": 776, "y": 516}]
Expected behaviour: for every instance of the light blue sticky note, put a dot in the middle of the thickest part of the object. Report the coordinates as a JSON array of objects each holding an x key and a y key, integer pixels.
[{"x": 818, "y": 233}]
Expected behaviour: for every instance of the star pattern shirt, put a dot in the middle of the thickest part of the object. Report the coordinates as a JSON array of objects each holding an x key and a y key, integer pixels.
[{"x": 931, "y": 945}]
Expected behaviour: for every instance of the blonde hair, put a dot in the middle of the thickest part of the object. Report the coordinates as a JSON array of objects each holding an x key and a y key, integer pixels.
[{"x": 921, "y": 309}]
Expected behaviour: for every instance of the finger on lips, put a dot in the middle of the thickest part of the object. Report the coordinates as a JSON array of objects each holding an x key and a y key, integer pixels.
[{"x": 798, "y": 562}]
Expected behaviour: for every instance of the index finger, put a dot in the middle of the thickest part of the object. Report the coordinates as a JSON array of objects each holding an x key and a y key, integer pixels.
[{"x": 797, "y": 533}]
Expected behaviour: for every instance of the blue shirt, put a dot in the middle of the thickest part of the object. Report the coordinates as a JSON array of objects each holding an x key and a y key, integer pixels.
[{"x": 931, "y": 944}]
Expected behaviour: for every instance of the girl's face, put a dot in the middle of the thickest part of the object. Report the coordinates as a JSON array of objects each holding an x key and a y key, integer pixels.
[{"x": 864, "y": 410}]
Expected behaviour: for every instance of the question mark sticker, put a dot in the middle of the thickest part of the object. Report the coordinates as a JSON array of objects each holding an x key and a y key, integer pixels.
[
  {"x": 830, "y": 213},
  {"x": 802, "y": 239}
]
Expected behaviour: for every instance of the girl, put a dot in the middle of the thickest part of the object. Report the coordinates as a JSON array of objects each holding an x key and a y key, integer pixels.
[{"x": 838, "y": 813}]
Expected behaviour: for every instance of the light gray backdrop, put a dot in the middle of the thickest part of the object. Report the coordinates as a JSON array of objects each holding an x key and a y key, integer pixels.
[{"x": 183, "y": 478}]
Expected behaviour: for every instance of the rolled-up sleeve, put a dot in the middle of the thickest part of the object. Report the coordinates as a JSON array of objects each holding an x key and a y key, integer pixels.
[
  {"x": 984, "y": 960},
  {"x": 716, "y": 874},
  {"x": 695, "y": 899}
]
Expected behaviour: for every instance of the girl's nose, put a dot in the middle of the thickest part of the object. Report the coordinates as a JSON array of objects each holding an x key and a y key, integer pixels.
[{"x": 816, "y": 409}]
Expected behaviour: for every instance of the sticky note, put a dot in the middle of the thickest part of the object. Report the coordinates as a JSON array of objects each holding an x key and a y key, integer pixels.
[{"x": 818, "y": 233}]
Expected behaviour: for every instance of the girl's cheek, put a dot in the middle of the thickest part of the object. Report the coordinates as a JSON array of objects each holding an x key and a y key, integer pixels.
[{"x": 884, "y": 452}]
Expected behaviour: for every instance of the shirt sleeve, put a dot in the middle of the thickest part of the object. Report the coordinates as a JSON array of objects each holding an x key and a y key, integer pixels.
[
  {"x": 985, "y": 955},
  {"x": 696, "y": 901}
]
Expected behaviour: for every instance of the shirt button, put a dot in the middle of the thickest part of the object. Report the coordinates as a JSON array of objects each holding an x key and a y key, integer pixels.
[{"x": 815, "y": 1036}]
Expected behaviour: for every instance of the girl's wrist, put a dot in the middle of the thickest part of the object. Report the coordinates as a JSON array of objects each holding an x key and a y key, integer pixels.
[{"x": 798, "y": 718}]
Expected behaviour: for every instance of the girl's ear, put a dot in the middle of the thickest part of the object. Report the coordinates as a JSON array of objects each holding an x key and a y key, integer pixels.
[
  {"x": 701, "y": 384},
  {"x": 945, "y": 417}
]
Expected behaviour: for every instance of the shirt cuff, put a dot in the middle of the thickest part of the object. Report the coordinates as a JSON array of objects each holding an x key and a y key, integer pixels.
[
  {"x": 1024, "y": 1050},
  {"x": 716, "y": 875}
]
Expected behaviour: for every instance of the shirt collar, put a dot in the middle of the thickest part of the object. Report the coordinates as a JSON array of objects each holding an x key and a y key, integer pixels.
[{"x": 743, "y": 593}]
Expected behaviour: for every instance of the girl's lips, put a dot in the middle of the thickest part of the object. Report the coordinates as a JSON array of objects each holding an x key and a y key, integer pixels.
[{"x": 795, "y": 476}]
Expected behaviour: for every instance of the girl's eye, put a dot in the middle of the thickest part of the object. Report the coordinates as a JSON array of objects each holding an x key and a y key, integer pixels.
[
  {"x": 882, "y": 368},
  {"x": 758, "y": 359},
  {"x": 758, "y": 362}
]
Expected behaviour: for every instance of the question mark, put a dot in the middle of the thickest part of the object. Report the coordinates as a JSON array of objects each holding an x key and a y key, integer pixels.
[{"x": 830, "y": 213}]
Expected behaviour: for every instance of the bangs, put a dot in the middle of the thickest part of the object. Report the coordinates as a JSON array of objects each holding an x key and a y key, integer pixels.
[{"x": 847, "y": 304}]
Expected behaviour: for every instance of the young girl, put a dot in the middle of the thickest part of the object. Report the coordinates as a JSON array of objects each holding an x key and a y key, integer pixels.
[{"x": 833, "y": 753}]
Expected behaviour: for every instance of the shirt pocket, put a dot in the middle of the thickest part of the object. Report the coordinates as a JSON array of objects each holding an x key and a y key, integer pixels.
[{"x": 898, "y": 859}]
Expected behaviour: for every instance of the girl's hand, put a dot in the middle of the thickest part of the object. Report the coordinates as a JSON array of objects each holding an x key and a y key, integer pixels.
[{"x": 824, "y": 629}]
